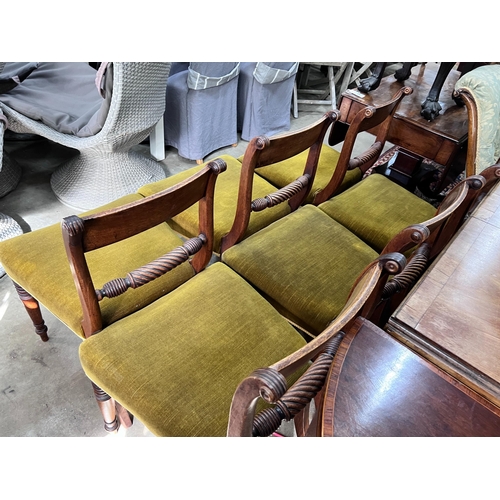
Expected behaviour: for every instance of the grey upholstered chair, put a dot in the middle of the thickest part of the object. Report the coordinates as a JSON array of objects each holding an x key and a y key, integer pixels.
[
  {"x": 60, "y": 101},
  {"x": 265, "y": 93},
  {"x": 200, "y": 111}
]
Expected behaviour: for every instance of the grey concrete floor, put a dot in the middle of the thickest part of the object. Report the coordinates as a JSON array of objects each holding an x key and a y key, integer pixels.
[{"x": 43, "y": 390}]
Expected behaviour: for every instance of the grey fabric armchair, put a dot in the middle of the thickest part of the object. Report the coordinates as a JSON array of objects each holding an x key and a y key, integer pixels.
[
  {"x": 265, "y": 98},
  {"x": 60, "y": 101},
  {"x": 200, "y": 110}
]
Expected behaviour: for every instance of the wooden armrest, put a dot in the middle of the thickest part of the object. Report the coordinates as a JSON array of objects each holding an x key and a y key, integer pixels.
[
  {"x": 410, "y": 274},
  {"x": 300, "y": 394},
  {"x": 270, "y": 383},
  {"x": 153, "y": 270}
]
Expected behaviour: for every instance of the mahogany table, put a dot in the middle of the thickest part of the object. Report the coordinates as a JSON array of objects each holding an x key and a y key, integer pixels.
[
  {"x": 440, "y": 140},
  {"x": 452, "y": 315},
  {"x": 379, "y": 387}
]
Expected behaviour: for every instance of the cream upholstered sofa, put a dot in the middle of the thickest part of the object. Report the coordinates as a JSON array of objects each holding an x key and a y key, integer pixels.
[{"x": 480, "y": 89}]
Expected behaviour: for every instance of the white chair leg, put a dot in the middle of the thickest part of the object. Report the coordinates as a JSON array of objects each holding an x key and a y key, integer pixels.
[{"x": 157, "y": 142}]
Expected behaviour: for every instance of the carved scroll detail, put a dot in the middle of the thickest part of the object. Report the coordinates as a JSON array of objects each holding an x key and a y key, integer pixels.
[
  {"x": 300, "y": 394},
  {"x": 281, "y": 195},
  {"x": 218, "y": 165},
  {"x": 410, "y": 274},
  {"x": 374, "y": 151},
  {"x": 73, "y": 225},
  {"x": 153, "y": 270},
  {"x": 261, "y": 142}
]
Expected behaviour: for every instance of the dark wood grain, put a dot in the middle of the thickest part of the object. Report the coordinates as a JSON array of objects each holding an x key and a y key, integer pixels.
[
  {"x": 379, "y": 387},
  {"x": 262, "y": 151},
  {"x": 452, "y": 316},
  {"x": 439, "y": 140},
  {"x": 83, "y": 234}
]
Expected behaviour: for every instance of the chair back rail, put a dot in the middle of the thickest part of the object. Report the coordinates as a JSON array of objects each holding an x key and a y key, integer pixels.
[
  {"x": 95, "y": 231},
  {"x": 262, "y": 151},
  {"x": 270, "y": 383}
]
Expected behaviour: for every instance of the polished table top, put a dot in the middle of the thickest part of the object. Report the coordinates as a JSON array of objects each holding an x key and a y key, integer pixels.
[
  {"x": 442, "y": 140},
  {"x": 452, "y": 120},
  {"x": 452, "y": 316},
  {"x": 379, "y": 387}
]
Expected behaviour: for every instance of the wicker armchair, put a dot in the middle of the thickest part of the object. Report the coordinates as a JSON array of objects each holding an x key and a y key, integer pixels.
[
  {"x": 10, "y": 173},
  {"x": 106, "y": 168}
]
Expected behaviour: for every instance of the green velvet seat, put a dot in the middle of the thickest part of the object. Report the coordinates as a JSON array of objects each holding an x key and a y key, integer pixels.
[
  {"x": 282, "y": 173},
  {"x": 244, "y": 202},
  {"x": 305, "y": 264},
  {"x": 226, "y": 197},
  {"x": 37, "y": 262},
  {"x": 177, "y": 363},
  {"x": 376, "y": 209}
]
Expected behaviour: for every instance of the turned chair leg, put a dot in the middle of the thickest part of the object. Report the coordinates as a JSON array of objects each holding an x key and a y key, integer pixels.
[
  {"x": 113, "y": 413},
  {"x": 33, "y": 308},
  {"x": 107, "y": 407}
]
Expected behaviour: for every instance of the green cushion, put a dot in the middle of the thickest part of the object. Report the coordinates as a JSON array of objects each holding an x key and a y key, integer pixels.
[
  {"x": 176, "y": 364},
  {"x": 225, "y": 201},
  {"x": 376, "y": 209},
  {"x": 37, "y": 261},
  {"x": 282, "y": 173},
  {"x": 305, "y": 262}
]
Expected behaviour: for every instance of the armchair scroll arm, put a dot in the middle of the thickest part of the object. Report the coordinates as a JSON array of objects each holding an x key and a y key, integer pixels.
[
  {"x": 410, "y": 274},
  {"x": 149, "y": 272},
  {"x": 300, "y": 394}
]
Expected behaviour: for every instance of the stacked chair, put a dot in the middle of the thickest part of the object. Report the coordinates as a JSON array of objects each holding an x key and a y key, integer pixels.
[
  {"x": 241, "y": 183},
  {"x": 217, "y": 324},
  {"x": 193, "y": 347},
  {"x": 253, "y": 176},
  {"x": 337, "y": 170}
]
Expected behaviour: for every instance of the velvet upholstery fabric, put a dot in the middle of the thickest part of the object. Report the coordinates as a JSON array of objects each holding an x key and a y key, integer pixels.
[
  {"x": 305, "y": 262},
  {"x": 282, "y": 173},
  {"x": 63, "y": 96},
  {"x": 37, "y": 261},
  {"x": 376, "y": 209},
  {"x": 225, "y": 202},
  {"x": 176, "y": 364}
]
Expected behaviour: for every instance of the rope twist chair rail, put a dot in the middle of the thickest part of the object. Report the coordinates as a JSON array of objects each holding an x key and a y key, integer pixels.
[
  {"x": 153, "y": 270},
  {"x": 281, "y": 195},
  {"x": 300, "y": 394},
  {"x": 370, "y": 154}
]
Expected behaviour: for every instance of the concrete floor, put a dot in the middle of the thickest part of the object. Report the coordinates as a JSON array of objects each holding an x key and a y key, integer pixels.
[{"x": 43, "y": 390}]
